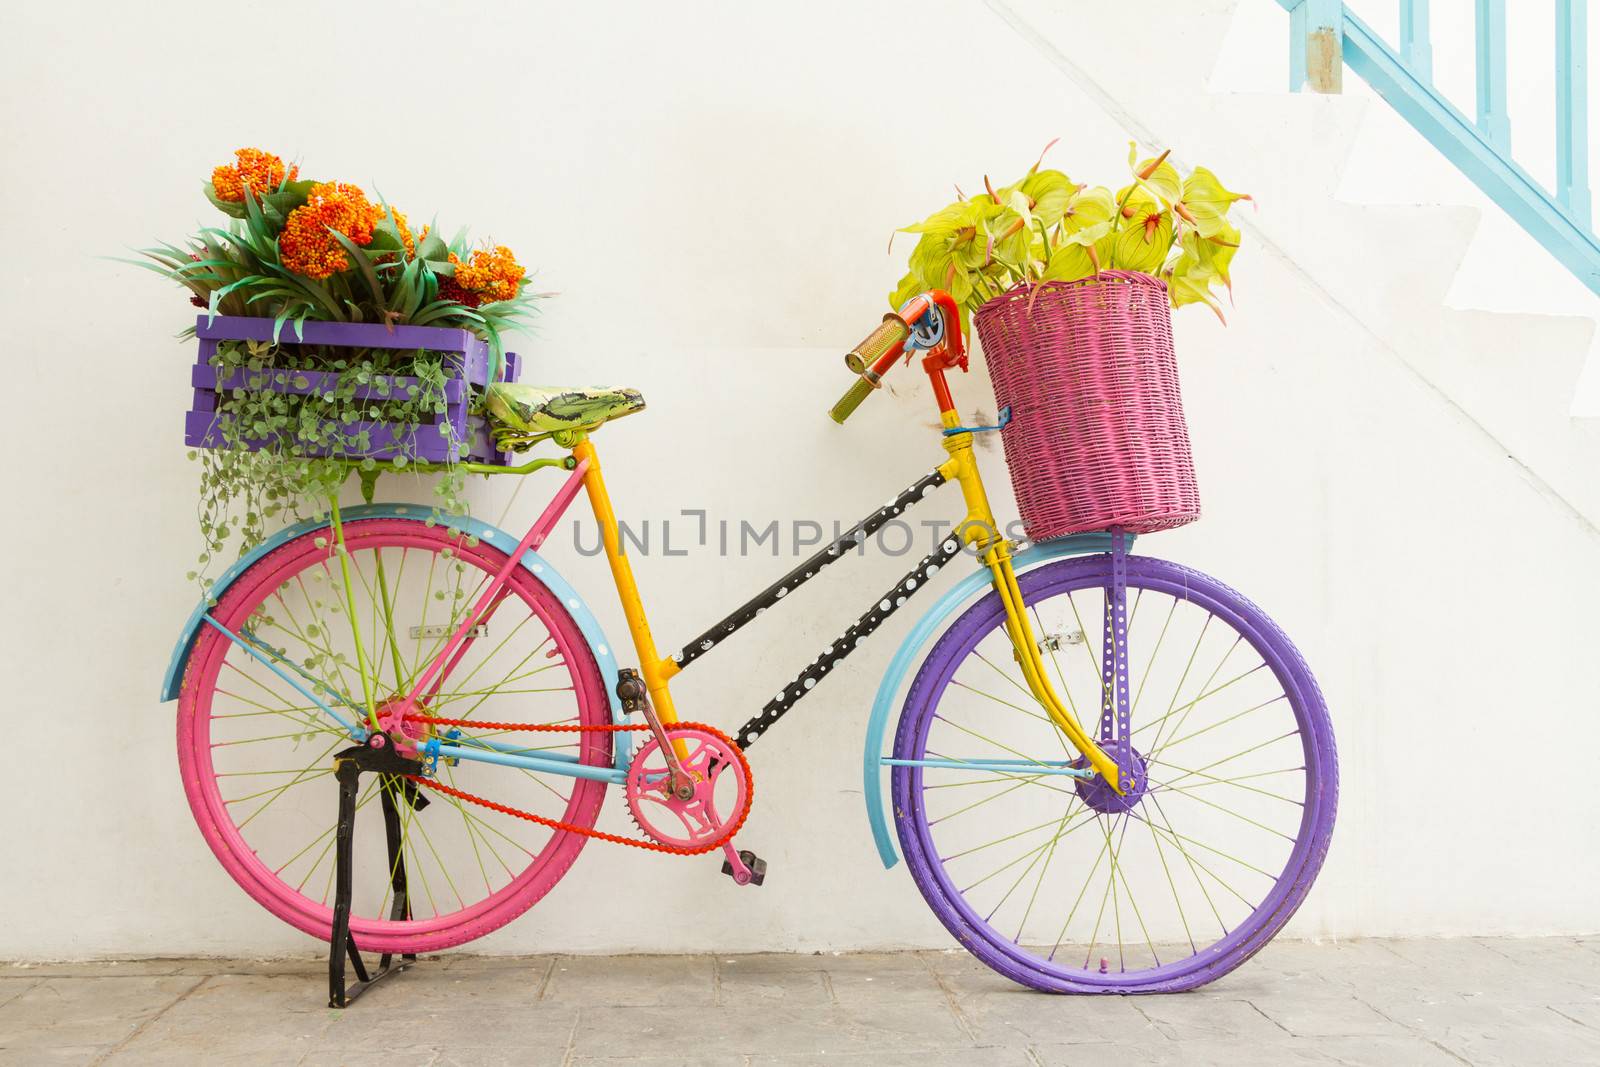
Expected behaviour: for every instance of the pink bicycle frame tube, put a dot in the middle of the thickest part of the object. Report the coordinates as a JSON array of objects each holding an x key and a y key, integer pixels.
[{"x": 531, "y": 540}]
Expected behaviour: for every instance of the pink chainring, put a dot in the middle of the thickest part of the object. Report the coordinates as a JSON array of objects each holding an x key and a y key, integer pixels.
[{"x": 718, "y": 801}]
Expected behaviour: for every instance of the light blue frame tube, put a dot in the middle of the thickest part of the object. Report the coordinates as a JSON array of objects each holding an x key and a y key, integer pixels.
[
  {"x": 545, "y": 765},
  {"x": 355, "y": 731},
  {"x": 1003, "y": 766}
]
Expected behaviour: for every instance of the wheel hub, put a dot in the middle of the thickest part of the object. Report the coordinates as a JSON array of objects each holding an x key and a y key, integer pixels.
[{"x": 1097, "y": 793}]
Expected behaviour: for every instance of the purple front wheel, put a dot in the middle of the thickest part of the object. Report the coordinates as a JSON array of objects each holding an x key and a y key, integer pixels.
[{"x": 1063, "y": 884}]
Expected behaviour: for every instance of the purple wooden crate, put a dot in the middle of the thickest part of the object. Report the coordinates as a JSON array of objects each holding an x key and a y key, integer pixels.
[{"x": 387, "y": 440}]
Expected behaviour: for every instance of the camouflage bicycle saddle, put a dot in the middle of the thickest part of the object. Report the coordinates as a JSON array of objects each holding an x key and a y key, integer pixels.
[{"x": 523, "y": 415}]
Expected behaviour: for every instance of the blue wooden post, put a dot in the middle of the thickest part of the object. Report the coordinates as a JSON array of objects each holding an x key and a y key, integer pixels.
[
  {"x": 1491, "y": 55},
  {"x": 1572, "y": 108},
  {"x": 1416, "y": 45},
  {"x": 1316, "y": 46}
]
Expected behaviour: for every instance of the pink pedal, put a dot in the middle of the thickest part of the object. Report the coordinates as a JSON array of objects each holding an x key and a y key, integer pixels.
[{"x": 743, "y": 866}]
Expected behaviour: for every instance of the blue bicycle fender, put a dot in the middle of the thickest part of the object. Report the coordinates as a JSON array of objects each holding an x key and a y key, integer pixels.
[
  {"x": 875, "y": 786},
  {"x": 536, "y": 564}
]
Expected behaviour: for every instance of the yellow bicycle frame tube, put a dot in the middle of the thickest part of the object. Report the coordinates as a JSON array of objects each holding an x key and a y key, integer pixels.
[
  {"x": 979, "y": 529},
  {"x": 652, "y": 666}
]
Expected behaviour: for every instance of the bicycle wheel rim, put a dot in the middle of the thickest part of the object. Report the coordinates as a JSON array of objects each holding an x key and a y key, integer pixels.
[
  {"x": 525, "y": 881},
  {"x": 1299, "y": 868}
]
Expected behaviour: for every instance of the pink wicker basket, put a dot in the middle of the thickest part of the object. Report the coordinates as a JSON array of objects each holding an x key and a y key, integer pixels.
[{"x": 1096, "y": 438}]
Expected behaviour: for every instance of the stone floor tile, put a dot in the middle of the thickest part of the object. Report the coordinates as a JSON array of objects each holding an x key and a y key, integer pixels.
[
  {"x": 1335, "y": 1013},
  {"x": 987, "y": 1056},
  {"x": 472, "y": 1056},
  {"x": 12, "y": 988},
  {"x": 1181, "y": 1017},
  {"x": 1018, "y": 1016},
  {"x": 632, "y": 981},
  {"x": 1557, "y": 1041},
  {"x": 66, "y": 1056},
  {"x": 97, "y": 969},
  {"x": 755, "y": 981},
  {"x": 1210, "y": 1053},
  {"x": 670, "y": 1060},
  {"x": 344, "y": 1057},
  {"x": 303, "y": 965},
  {"x": 1582, "y": 1012},
  {"x": 624, "y": 1032},
  {"x": 541, "y": 1033},
  {"x": 72, "y": 1012}
]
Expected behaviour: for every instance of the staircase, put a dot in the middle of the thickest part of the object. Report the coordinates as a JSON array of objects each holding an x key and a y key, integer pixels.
[{"x": 1509, "y": 376}]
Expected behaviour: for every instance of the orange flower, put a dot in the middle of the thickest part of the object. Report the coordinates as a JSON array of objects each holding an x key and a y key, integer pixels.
[
  {"x": 406, "y": 237},
  {"x": 307, "y": 245},
  {"x": 260, "y": 172},
  {"x": 494, "y": 274}
]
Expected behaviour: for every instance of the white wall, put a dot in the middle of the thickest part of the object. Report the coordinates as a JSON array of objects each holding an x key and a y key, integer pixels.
[{"x": 711, "y": 190}]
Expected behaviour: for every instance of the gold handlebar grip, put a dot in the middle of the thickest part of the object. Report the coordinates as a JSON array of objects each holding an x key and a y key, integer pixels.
[
  {"x": 852, "y": 400},
  {"x": 891, "y": 331}
]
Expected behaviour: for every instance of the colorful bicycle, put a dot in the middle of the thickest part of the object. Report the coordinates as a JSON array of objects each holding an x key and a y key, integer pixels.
[{"x": 1111, "y": 773}]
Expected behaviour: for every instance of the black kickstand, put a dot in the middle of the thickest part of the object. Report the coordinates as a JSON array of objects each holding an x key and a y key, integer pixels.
[{"x": 382, "y": 759}]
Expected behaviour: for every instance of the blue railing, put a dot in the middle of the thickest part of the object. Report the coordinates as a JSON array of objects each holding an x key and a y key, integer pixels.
[{"x": 1326, "y": 36}]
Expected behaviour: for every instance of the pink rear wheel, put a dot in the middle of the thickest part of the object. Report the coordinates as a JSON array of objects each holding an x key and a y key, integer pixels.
[{"x": 256, "y": 755}]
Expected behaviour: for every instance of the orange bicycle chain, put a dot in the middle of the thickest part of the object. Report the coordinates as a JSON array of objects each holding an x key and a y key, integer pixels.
[{"x": 589, "y": 831}]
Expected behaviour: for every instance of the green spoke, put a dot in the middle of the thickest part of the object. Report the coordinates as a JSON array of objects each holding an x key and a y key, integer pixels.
[
  {"x": 461, "y": 685},
  {"x": 259, "y": 684},
  {"x": 1133, "y": 903},
  {"x": 294, "y": 713},
  {"x": 340, "y": 734},
  {"x": 275, "y": 789},
  {"x": 366, "y": 795},
  {"x": 514, "y": 676},
  {"x": 427, "y": 839},
  {"x": 1019, "y": 776},
  {"x": 1235, "y": 782},
  {"x": 992, "y": 741},
  {"x": 977, "y": 803},
  {"x": 1205, "y": 691},
  {"x": 1111, "y": 882},
  {"x": 416, "y": 862},
  {"x": 1190, "y": 860},
  {"x": 1176, "y": 899},
  {"x": 1081, "y": 893},
  {"x": 1044, "y": 870},
  {"x": 1087, "y": 651},
  {"x": 1211, "y": 804},
  {"x": 282, "y": 789},
  {"x": 1150, "y": 665},
  {"x": 474, "y": 834},
  {"x": 320, "y": 621},
  {"x": 1182, "y": 678},
  {"x": 1227, "y": 759},
  {"x": 996, "y": 841},
  {"x": 1024, "y": 690},
  {"x": 1066, "y": 690},
  {"x": 1083, "y": 818},
  {"x": 1171, "y": 741},
  {"x": 287, "y": 712},
  {"x": 1216, "y": 852},
  {"x": 1005, "y": 703},
  {"x": 422, "y": 625}
]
